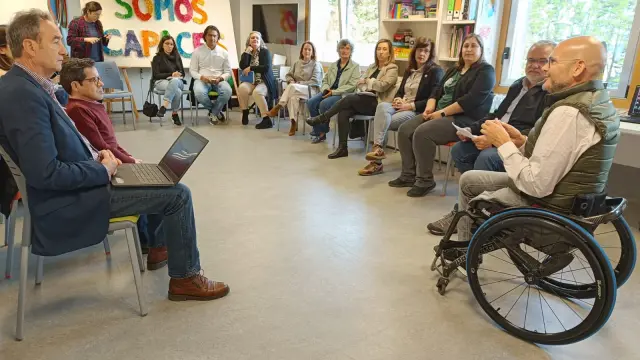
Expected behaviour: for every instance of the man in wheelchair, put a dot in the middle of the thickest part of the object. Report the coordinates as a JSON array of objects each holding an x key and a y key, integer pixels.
[
  {"x": 569, "y": 151},
  {"x": 533, "y": 262}
]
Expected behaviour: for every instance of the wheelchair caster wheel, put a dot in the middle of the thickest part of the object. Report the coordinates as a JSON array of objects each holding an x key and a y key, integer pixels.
[{"x": 442, "y": 285}]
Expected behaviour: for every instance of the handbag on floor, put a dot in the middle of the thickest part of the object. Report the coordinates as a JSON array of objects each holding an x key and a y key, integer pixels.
[{"x": 149, "y": 108}]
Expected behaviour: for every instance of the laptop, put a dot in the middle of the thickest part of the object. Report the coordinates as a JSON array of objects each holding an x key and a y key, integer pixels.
[
  {"x": 634, "y": 109},
  {"x": 171, "y": 168}
]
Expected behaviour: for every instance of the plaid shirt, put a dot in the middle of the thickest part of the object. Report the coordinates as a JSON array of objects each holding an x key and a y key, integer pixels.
[
  {"x": 50, "y": 88},
  {"x": 78, "y": 30}
]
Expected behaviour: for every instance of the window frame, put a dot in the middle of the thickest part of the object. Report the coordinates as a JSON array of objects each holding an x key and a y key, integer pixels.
[
  {"x": 633, "y": 46},
  {"x": 343, "y": 14}
]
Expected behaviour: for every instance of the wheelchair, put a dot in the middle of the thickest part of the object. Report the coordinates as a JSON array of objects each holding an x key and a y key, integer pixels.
[{"x": 540, "y": 275}]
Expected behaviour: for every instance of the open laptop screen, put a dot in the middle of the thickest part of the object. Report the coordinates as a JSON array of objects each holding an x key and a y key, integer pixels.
[{"x": 183, "y": 153}]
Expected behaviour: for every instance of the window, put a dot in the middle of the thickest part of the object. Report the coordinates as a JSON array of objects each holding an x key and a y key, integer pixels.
[
  {"x": 356, "y": 20},
  {"x": 615, "y": 22}
]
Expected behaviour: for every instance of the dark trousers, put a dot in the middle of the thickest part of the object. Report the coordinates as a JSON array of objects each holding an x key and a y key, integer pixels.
[{"x": 346, "y": 108}]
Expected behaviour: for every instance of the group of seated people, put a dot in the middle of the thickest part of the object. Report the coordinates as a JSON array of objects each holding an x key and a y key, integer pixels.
[{"x": 552, "y": 138}]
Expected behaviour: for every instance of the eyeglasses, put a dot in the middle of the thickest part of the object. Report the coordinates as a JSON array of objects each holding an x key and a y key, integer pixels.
[
  {"x": 540, "y": 62},
  {"x": 96, "y": 80}
]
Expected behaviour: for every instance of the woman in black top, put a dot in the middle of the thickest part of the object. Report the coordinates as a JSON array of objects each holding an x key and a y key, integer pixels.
[
  {"x": 257, "y": 58},
  {"x": 464, "y": 95},
  {"x": 167, "y": 75},
  {"x": 418, "y": 82}
]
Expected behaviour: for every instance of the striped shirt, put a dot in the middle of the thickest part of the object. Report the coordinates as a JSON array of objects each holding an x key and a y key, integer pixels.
[{"x": 50, "y": 88}]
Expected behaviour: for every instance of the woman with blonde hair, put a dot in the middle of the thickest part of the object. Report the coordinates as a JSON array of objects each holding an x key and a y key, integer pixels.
[
  {"x": 304, "y": 73},
  {"x": 256, "y": 58},
  {"x": 376, "y": 85}
]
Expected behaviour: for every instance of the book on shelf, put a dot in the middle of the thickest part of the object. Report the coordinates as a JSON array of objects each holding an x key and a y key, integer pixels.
[
  {"x": 460, "y": 10},
  {"x": 404, "y": 9},
  {"x": 455, "y": 41}
]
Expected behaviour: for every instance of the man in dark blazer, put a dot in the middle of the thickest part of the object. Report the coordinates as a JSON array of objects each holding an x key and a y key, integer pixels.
[{"x": 69, "y": 196}]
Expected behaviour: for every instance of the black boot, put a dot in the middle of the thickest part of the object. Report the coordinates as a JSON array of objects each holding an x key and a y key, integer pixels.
[
  {"x": 317, "y": 120},
  {"x": 341, "y": 151},
  {"x": 265, "y": 123},
  {"x": 245, "y": 117}
]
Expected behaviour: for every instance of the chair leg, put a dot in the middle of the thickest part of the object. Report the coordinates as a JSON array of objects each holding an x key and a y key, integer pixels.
[
  {"x": 136, "y": 241},
  {"x": 182, "y": 108},
  {"x": 107, "y": 248},
  {"x": 9, "y": 235},
  {"x": 136, "y": 273},
  {"x": 133, "y": 118},
  {"x": 446, "y": 175},
  {"x": 395, "y": 139},
  {"x": 124, "y": 119},
  {"x": 335, "y": 131},
  {"x": 22, "y": 296},
  {"x": 39, "y": 269},
  {"x": 439, "y": 158}
]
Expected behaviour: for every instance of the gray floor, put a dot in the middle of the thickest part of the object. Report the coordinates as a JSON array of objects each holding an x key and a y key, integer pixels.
[{"x": 322, "y": 264}]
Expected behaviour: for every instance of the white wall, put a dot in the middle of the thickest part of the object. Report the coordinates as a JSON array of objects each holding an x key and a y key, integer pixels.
[{"x": 9, "y": 7}]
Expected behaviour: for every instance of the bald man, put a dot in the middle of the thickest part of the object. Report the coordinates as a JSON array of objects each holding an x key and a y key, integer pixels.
[{"x": 570, "y": 149}]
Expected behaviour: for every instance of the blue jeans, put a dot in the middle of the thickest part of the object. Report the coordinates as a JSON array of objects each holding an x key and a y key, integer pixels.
[
  {"x": 201, "y": 90},
  {"x": 317, "y": 105},
  {"x": 172, "y": 91},
  {"x": 467, "y": 157},
  {"x": 171, "y": 219}
]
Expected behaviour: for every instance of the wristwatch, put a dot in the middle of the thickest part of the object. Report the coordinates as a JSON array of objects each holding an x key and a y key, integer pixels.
[{"x": 442, "y": 114}]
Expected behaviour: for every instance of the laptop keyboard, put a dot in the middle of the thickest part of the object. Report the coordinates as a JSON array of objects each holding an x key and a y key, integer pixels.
[{"x": 149, "y": 174}]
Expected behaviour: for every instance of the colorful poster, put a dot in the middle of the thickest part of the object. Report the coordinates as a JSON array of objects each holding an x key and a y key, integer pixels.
[{"x": 136, "y": 27}]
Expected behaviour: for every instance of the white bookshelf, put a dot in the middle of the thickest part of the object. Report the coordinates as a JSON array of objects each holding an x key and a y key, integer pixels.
[
  {"x": 412, "y": 20},
  {"x": 440, "y": 29},
  {"x": 459, "y": 22}
]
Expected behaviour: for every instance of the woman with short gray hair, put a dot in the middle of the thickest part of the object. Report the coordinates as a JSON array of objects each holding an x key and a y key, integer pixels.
[{"x": 341, "y": 78}]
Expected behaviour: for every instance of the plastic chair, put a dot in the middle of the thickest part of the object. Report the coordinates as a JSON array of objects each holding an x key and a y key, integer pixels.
[
  {"x": 213, "y": 95},
  {"x": 9, "y": 234},
  {"x": 302, "y": 109},
  {"x": 450, "y": 167},
  {"x": 125, "y": 223},
  {"x": 110, "y": 75},
  {"x": 367, "y": 131},
  {"x": 160, "y": 94}
]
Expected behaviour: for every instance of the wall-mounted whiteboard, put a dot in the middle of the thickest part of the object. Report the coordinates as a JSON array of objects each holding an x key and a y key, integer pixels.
[{"x": 136, "y": 27}]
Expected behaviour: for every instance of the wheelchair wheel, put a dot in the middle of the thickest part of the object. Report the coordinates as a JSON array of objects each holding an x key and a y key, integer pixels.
[
  {"x": 620, "y": 249},
  {"x": 518, "y": 255}
]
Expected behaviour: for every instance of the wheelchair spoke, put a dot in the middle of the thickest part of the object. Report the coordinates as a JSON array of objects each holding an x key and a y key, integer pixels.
[
  {"x": 582, "y": 263},
  {"x": 500, "y": 281},
  {"x": 554, "y": 313},
  {"x": 508, "y": 262},
  {"x": 544, "y": 323},
  {"x": 514, "y": 304},
  {"x": 526, "y": 309},
  {"x": 490, "y": 302},
  {"x": 500, "y": 272}
]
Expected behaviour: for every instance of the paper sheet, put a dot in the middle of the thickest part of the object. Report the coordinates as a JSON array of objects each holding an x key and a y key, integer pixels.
[{"x": 465, "y": 132}]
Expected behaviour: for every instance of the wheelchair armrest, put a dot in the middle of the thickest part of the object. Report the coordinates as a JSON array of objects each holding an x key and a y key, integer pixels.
[{"x": 614, "y": 208}]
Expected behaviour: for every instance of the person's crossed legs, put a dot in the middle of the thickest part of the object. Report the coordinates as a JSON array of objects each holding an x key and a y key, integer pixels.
[{"x": 171, "y": 218}]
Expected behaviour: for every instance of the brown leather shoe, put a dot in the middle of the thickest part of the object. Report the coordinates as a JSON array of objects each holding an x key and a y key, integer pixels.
[
  {"x": 157, "y": 258},
  {"x": 274, "y": 111},
  {"x": 294, "y": 127},
  {"x": 197, "y": 287}
]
